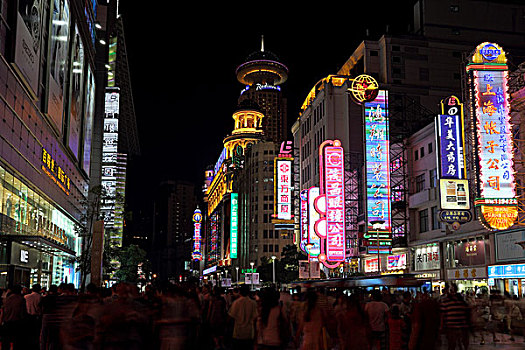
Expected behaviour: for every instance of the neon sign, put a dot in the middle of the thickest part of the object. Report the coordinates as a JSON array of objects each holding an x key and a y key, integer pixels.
[
  {"x": 332, "y": 196},
  {"x": 377, "y": 142},
  {"x": 283, "y": 188},
  {"x": 55, "y": 172},
  {"x": 314, "y": 242},
  {"x": 304, "y": 220},
  {"x": 494, "y": 139},
  {"x": 450, "y": 136},
  {"x": 234, "y": 224},
  {"x": 197, "y": 222}
]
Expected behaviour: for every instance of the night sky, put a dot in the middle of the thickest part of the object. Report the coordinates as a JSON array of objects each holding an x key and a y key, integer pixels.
[{"x": 183, "y": 58}]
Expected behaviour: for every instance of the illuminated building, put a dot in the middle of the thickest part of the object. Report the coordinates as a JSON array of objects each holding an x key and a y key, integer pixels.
[
  {"x": 48, "y": 104},
  {"x": 247, "y": 133},
  {"x": 119, "y": 140},
  {"x": 262, "y": 74}
]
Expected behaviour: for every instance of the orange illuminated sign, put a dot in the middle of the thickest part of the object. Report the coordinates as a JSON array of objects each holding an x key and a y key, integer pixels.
[{"x": 55, "y": 172}]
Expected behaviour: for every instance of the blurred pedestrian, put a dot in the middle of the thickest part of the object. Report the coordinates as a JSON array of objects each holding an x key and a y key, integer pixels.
[
  {"x": 455, "y": 319},
  {"x": 217, "y": 317},
  {"x": 396, "y": 328},
  {"x": 34, "y": 312},
  {"x": 352, "y": 325},
  {"x": 376, "y": 311},
  {"x": 425, "y": 323},
  {"x": 244, "y": 313},
  {"x": 310, "y": 334},
  {"x": 273, "y": 328},
  {"x": 13, "y": 320}
]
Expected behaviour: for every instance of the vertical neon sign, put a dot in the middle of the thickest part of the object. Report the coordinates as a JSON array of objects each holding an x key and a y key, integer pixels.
[
  {"x": 314, "y": 242},
  {"x": 377, "y": 145},
  {"x": 234, "y": 224},
  {"x": 197, "y": 222},
  {"x": 304, "y": 220},
  {"x": 283, "y": 192},
  {"x": 496, "y": 186},
  {"x": 333, "y": 195}
]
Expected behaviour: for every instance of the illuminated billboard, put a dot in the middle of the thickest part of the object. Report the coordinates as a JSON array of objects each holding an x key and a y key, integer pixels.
[
  {"x": 378, "y": 197},
  {"x": 450, "y": 137},
  {"x": 495, "y": 167},
  {"x": 454, "y": 194},
  {"x": 304, "y": 220},
  {"x": 313, "y": 247},
  {"x": 197, "y": 222},
  {"x": 234, "y": 224},
  {"x": 283, "y": 188},
  {"x": 331, "y": 175}
]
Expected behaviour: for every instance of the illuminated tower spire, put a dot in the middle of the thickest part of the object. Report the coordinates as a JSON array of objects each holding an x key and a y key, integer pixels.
[{"x": 262, "y": 73}]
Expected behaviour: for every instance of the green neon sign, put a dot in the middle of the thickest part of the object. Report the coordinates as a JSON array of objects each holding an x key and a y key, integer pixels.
[{"x": 234, "y": 224}]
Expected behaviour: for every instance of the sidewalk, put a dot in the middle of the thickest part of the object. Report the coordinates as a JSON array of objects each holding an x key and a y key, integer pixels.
[{"x": 505, "y": 343}]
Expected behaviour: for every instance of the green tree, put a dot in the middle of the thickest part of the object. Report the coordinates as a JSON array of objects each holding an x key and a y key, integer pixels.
[{"x": 131, "y": 258}]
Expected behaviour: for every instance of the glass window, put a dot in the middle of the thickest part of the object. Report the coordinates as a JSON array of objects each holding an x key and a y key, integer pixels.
[
  {"x": 423, "y": 220},
  {"x": 433, "y": 178},
  {"x": 435, "y": 219},
  {"x": 420, "y": 183}
]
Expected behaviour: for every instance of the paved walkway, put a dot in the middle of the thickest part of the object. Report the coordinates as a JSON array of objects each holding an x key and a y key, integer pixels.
[{"x": 505, "y": 343}]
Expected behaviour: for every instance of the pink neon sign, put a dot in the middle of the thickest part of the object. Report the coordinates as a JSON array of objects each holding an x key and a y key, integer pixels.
[{"x": 332, "y": 186}]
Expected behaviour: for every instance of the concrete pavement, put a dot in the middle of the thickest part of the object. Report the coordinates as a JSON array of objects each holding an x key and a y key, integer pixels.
[{"x": 505, "y": 343}]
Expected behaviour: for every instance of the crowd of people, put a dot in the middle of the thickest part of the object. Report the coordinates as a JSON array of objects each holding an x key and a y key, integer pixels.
[{"x": 181, "y": 316}]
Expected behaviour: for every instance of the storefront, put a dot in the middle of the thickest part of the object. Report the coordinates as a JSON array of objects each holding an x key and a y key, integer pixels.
[
  {"x": 38, "y": 241},
  {"x": 395, "y": 263},
  {"x": 426, "y": 262},
  {"x": 465, "y": 263}
]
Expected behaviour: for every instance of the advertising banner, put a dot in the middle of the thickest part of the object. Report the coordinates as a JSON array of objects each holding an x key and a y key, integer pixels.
[
  {"x": 28, "y": 43},
  {"x": 454, "y": 194},
  {"x": 77, "y": 94},
  {"x": 89, "y": 113},
  {"x": 509, "y": 245},
  {"x": 427, "y": 258},
  {"x": 58, "y": 61},
  {"x": 470, "y": 253},
  {"x": 450, "y": 136},
  {"x": 378, "y": 199}
]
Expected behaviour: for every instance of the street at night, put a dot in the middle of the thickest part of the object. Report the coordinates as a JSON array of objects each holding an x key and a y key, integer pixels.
[{"x": 271, "y": 176}]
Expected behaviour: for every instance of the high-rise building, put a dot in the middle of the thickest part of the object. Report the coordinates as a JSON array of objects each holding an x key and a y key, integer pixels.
[
  {"x": 48, "y": 100},
  {"x": 171, "y": 246},
  {"x": 262, "y": 73},
  {"x": 118, "y": 142}
]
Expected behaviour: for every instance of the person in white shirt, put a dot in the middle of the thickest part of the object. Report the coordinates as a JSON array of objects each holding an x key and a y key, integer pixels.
[
  {"x": 34, "y": 311},
  {"x": 376, "y": 311}
]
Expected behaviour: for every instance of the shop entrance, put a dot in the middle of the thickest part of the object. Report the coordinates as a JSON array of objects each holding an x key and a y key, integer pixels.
[{"x": 20, "y": 275}]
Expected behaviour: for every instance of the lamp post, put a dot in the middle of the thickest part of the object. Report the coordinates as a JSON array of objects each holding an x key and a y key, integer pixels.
[
  {"x": 251, "y": 275},
  {"x": 273, "y": 267},
  {"x": 378, "y": 224},
  {"x": 237, "y": 268}
]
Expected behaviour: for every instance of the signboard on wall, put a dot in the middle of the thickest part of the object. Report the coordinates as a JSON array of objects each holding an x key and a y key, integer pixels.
[
  {"x": 470, "y": 253},
  {"x": 509, "y": 245},
  {"x": 283, "y": 188},
  {"x": 427, "y": 258},
  {"x": 488, "y": 74},
  {"x": 234, "y": 225},
  {"x": 454, "y": 194},
  {"x": 378, "y": 198}
]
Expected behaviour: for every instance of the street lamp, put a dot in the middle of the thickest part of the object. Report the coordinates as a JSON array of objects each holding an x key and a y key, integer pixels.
[
  {"x": 377, "y": 225},
  {"x": 251, "y": 275},
  {"x": 237, "y": 268},
  {"x": 273, "y": 263}
]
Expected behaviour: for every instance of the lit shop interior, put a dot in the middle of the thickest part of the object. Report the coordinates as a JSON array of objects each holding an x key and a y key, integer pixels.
[
  {"x": 509, "y": 278},
  {"x": 465, "y": 263},
  {"x": 38, "y": 242}
]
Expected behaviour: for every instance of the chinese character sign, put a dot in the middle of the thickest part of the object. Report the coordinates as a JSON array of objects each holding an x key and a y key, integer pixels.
[
  {"x": 378, "y": 167},
  {"x": 494, "y": 133},
  {"x": 333, "y": 189},
  {"x": 304, "y": 220},
  {"x": 314, "y": 242},
  {"x": 283, "y": 190},
  {"x": 450, "y": 136},
  {"x": 234, "y": 224},
  {"x": 197, "y": 222}
]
